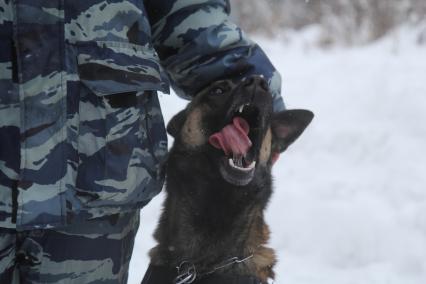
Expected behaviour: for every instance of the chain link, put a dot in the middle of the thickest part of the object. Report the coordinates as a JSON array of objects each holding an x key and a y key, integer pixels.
[
  {"x": 229, "y": 262},
  {"x": 186, "y": 273}
]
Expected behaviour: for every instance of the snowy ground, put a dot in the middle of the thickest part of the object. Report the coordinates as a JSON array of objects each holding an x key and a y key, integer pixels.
[{"x": 350, "y": 196}]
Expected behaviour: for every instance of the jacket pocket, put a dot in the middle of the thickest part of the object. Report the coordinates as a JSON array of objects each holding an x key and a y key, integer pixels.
[
  {"x": 122, "y": 140},
  {"x": 115, "y": 67}
]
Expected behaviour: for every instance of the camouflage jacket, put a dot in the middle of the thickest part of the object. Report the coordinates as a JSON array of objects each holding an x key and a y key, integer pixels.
[{"x": 81, "y": 131}]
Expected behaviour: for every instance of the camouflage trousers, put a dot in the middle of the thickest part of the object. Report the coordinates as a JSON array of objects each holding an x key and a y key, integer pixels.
[{"x": 98, "y": 251}]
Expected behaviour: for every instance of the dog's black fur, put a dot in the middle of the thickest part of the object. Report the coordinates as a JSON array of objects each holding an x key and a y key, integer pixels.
[{"x": 213, "y": 212}]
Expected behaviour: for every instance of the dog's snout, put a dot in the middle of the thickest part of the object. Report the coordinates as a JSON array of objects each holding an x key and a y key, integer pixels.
[{"x": 257, "y": 81}]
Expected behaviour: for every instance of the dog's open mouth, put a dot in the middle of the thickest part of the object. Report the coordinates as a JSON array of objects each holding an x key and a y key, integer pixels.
[{"x": 238, "y": 140}]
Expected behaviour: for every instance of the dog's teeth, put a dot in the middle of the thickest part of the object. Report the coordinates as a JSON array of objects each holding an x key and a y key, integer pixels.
[
  {"x": 231, "y": 163},
  {"x": 240, "y": 110},
  {"x": 252, "y": 165},
  {"x": 240, "y": 167}
]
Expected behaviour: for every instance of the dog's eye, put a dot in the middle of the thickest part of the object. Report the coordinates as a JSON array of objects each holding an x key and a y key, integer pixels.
[{"x": 217, "y": 91}]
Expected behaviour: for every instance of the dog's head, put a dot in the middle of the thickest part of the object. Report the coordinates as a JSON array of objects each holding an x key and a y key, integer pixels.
[{"x": 233, "y": 129}]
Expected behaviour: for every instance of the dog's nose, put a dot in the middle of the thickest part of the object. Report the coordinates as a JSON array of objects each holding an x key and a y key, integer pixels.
[{"x": 257, "y": 81}]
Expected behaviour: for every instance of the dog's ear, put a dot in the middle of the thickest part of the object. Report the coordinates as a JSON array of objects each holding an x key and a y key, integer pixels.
[
  {"x": 287, "y": 126},
  {"x": 176, "y": 123}
]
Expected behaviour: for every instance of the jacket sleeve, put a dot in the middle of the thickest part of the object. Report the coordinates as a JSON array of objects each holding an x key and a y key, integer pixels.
[{"x": 198, "y": 44}]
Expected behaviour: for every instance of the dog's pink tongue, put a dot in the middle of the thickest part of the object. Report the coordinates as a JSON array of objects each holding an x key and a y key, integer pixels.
[{"x": 233, "y": 138}]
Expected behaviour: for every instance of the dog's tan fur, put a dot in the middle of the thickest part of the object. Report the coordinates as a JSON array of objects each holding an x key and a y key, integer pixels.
[
  {"x": 265, "y": 149},
  {"x": 192, "y": 131}
]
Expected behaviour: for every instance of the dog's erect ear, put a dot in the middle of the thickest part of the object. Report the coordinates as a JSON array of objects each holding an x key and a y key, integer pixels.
[
  {"x": 287, "y": 126},
  {"x": 176, "y": 123}
]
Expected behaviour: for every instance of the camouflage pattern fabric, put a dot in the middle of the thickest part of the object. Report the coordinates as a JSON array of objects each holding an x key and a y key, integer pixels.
[
  {"x": 81, "y": 131},
  {"x": 96, "y": 252}
]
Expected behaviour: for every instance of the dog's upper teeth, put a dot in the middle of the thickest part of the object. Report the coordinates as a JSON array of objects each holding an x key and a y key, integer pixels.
[{"x": 241, "y": 108}]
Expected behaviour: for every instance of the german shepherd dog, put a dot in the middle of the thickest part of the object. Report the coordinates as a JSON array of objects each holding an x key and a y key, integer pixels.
[{"x": 218, "y": 182}]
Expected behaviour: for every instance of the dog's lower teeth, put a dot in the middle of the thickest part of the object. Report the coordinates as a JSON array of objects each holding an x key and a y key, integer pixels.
[
  {"x": 237, "y": 164},
  {"x": 252, "y": 165}
]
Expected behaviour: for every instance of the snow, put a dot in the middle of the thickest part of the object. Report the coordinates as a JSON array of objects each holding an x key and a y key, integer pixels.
[{"x": 349, "y": 205}]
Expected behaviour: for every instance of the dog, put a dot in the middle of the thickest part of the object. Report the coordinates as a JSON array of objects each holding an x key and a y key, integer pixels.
[{"x": 218, "y": 183}]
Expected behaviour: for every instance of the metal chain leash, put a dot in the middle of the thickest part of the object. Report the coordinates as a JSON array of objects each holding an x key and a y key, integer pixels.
[
  {"x": 229, "y": 262},
  {"x": 187, "y": 272}
]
